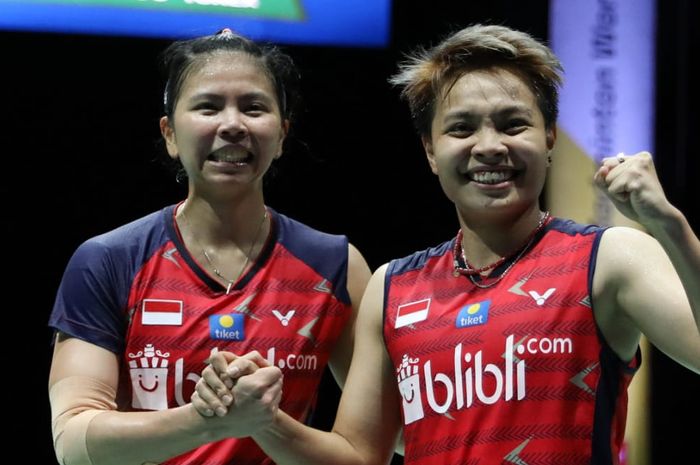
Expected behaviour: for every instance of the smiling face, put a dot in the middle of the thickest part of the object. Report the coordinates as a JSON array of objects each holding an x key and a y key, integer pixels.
[
  {"x": 226, "y": 127},
  {"x": 488, "y": 143}
]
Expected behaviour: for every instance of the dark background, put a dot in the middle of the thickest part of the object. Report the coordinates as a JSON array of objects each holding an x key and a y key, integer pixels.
[{"x": 81, "y": 156}]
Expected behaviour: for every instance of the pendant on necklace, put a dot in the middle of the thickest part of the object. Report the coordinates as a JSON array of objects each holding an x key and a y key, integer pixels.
[{"x": 228, "y": 288}]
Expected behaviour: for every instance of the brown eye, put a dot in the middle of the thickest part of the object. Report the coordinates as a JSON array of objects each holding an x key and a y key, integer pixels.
[
  {"x": 516, "y": 126},
  {"x": 460, "y": 130}
]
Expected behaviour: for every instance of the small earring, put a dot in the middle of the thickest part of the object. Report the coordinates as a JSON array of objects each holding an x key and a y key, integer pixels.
[
  {"x": 549, "y": 158},
  {"x": 181, "y": 176}
]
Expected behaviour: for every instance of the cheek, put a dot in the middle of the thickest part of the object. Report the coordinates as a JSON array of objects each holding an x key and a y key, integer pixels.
[{"x": 194, "y": 134}]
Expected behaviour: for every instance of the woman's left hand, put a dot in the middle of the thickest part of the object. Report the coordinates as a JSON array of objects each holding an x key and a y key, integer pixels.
[{"x": 631, "y": 183}]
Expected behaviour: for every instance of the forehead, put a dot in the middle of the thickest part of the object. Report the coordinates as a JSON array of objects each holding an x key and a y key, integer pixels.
[
  {"x": 226, "y": 68},
  {"x": 486, "y": 88}
]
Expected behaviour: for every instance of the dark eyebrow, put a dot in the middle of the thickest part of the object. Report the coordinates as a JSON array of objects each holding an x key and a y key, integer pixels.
[
  {"x": 515, "y": 110},
  {"x": 501, "y": 113},
  {"x": 248, "y": 96},
  {"x": 461, "y": 115},
  {"x": 205, "y": 96}
]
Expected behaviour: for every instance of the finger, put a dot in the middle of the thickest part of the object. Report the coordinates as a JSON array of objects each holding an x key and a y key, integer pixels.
[
  {"x": 617, "y": 160},
  {"x": 209, "y": 397},
  {"x": 619, "y": 189},
  {"x": 600, "y": 177},
  {"x": 273, "y": 394},
  {"x": 217, "y": 385},
  {"x": 220, "y": 359},
  {"x": 261, "y": 381},
  {"x": 255, "y": 357},
  {"x": 201, "y": 406},
  {"x": 242, "y": 366}
]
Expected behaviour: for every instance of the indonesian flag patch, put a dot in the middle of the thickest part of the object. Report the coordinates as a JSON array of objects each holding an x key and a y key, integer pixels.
[
  {"x": 161, "y": 312},
  {"x": 412, "y": 312}
]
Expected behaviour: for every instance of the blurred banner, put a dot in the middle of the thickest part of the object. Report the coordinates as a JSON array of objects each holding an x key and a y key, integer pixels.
[
  {"x": 356, "y": 23},
  {"x": 606, "y": 106}
]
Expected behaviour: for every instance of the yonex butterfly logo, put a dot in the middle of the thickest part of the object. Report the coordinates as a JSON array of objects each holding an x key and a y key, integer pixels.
[
  {"x": 541, "y": 299},
  {"x": 284, "y": 319}
]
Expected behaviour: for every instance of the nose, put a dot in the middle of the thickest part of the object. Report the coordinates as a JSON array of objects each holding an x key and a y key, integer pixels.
[
  {"x": 232, "y": 125},
  {"x": 489, "y": 143}
]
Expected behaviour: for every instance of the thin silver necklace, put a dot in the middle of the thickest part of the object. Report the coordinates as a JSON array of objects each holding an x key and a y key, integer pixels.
[
  {"x": 544, "y": 219},
  {"x": 229, "y": 282}
]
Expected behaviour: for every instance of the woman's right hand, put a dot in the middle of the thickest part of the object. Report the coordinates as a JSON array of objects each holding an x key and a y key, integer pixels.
[{"x": 245, "y": 390}]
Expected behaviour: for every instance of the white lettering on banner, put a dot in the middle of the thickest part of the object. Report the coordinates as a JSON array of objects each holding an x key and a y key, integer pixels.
[
  {"x": 228, "y": 3},
  {"x": 470, "y": 376}
]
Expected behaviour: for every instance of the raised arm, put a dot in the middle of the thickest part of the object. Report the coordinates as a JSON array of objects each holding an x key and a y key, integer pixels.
[
  {"x": 654, "y": 283},
  {"x": 88, "y": 429}
]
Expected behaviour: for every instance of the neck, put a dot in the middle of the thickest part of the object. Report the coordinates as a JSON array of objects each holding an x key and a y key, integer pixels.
[
  {"x": 224, "y": 242},
  {"x": 223, "y": 224},
  {"x": 485, "y": 242}
]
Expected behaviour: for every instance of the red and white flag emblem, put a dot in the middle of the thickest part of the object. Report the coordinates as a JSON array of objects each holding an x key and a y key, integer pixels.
[
  {"x": 412, "y": 312},
  {"x": 161, "y": 312}
]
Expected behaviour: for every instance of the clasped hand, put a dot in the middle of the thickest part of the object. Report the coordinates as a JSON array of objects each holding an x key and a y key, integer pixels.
[{"x": 245, "y": 391}]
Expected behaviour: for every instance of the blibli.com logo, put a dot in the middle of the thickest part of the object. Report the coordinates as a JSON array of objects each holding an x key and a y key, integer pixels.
[
  {"x": 461, "y": 387},
  {"x": 292, "y": 361},
  {"x": 227, "y": 327},
  {"x": 466, "y": 383},
  {"x": 473, "y": 314}
]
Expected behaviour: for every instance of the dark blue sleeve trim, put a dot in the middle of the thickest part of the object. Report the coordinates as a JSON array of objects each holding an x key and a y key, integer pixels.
[
  {"x": 92, "y": 297},
  {"x": 327, "y": 254}
]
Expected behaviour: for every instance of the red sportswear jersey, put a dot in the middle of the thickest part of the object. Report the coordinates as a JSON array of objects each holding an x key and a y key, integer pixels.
[
  {"x": 137, "y": 292},
  {"x": 516, "y": 373}
]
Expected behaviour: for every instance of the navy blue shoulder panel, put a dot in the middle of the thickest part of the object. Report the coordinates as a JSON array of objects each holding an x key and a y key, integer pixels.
[
  {"x": 417, "y": 259},
  {"x": 327, "y": 254},
  {"x": 92, "y": 297},
  {"x": 571, "y": 227}
]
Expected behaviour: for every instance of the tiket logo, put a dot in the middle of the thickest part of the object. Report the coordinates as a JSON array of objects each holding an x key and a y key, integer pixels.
[
  {"x": 227, "y": 327},
  {"x": 148, "y": 370},
  {"x": 473, "y": 314}
]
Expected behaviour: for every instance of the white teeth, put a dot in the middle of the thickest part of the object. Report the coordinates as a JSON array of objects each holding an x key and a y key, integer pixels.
[
  {"x": 491, "y": 177},
  {"x": 231, "y": 155},
  {"x": 233, "y": 158}
]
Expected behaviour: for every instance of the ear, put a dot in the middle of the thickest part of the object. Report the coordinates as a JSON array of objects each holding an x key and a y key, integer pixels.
[
  {"x": 551, "y": 135},
  {"x": 168, "y": 133},
  {"x": 283, "y": 136},
  {"x": 428, "y": 147}
]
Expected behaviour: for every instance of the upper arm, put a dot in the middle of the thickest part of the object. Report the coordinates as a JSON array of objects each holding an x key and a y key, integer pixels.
[
  {"x": 637, "y": 290},
  {"x": 358, "y": 276},
  {"x": 82, "y": 384},
  {"x": 369, "y": 412},
  {"x": 75, "y": 357}
]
